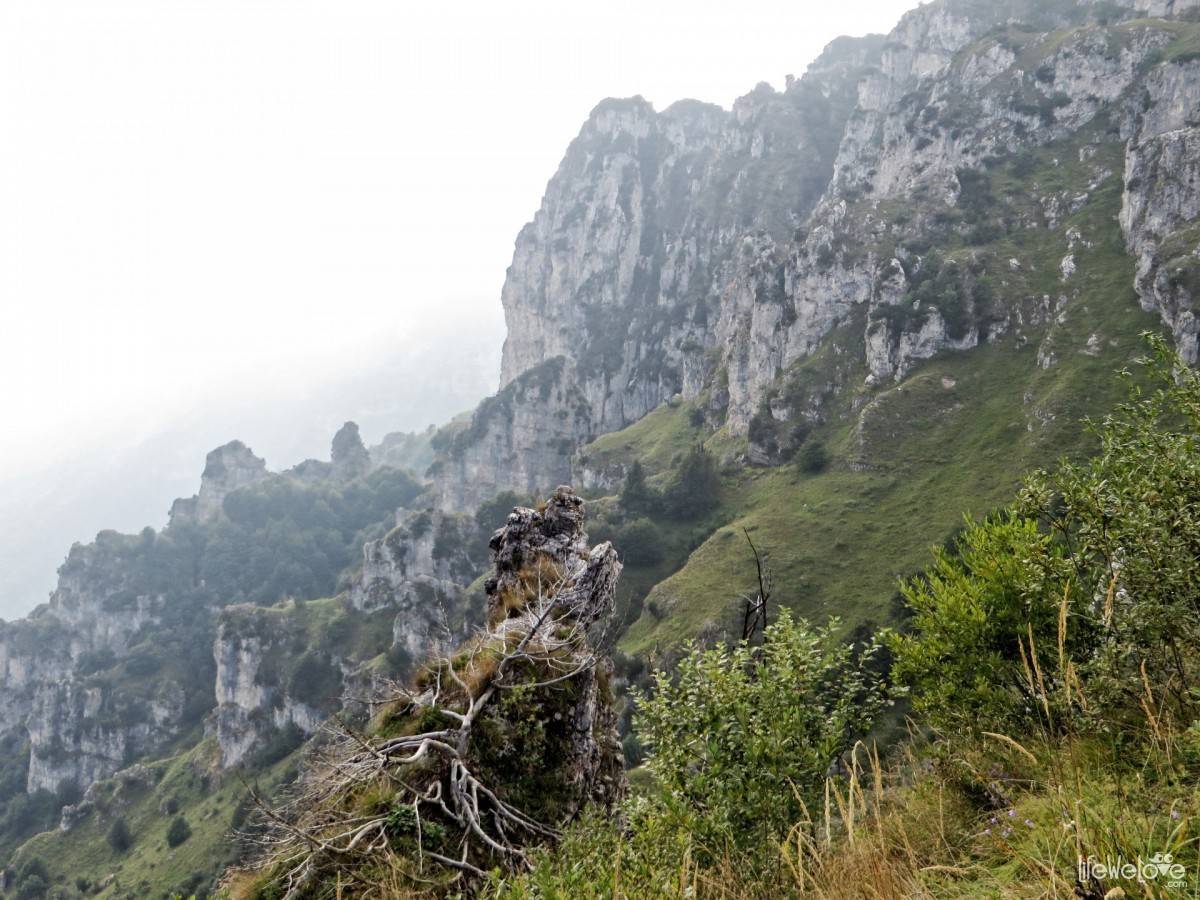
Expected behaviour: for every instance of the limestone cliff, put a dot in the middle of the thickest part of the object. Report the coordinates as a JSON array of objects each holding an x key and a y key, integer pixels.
[
  {"x": 283, "y": 670},
  {"x": 1162, "y": 197},
  {"x": 708, "y": 253},
  {"x": 419, "y": 570},
  {"x": 253, "y": 699},
  {"x": 226, "y": 469}
]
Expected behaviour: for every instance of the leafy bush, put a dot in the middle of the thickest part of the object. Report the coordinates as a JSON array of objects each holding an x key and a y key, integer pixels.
[
  {"x": 178, "y": 831},
  {"x": 315, "y": 681},
  {"x": 973, "y": 614},
  {"x": 736, "y": 725},
  {"x": 32, "y": 888},
  {"x": 278, "y": 744},
  {"x": 636, "y": 495},
  {"x": 1088, "y": 585},
  {"x": 118, "y": 836},
  {"x": 494, "y": 513},
  {"x": 640, "y": 542},
  {"x": 813, "y": 457}
]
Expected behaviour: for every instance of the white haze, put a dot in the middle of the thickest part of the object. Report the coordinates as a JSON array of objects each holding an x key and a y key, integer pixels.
[{"x": 213, "y": 207}]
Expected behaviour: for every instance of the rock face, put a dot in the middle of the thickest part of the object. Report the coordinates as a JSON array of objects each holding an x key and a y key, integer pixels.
[
  {"x": 708, "y": 253},
  {"x": 276, "y": 675},
  {"x": 518, "y": 440},
  {"x": 251, "y": 704},
  {"x": 419, "y": 569},
  {"x": 79, "y": 730},
  {"x": 1162, "y": 198},
  {"x": 80, "y": 733},
  {"x": 226, "y": 469}
]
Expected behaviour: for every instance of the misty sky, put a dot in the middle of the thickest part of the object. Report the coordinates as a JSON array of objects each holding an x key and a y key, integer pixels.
[{"x": 202, "y": 198}]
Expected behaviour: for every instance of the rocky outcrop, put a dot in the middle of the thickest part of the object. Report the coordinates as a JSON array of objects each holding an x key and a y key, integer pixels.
[
  {"x": 253, "y": 702},
  {"x": 579, "y": 585},
  {"x": 79, "y": 730},
  {"x": 522, "y": 439},
  {"x": 419, "y": 569},
  {"x": 226, "y": 469},
  {"x": 80, "y": 733},
  {"x": 497, "y": 745},
  {"x": 1161, "y": 202},
  {"x": 283, "y": 670},
  {"x": 116, "y": 792},
  {"x": 97, "y": 597},
  {"x": 1159, "y": 8}
]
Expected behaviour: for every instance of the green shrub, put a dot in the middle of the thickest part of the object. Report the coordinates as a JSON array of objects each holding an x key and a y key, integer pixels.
[
  {"x": 494, "y": 513},
  {"x": 734, "y": 726},
  {"x": 119, "y": 837},
  {"x": 178, "y": 831},
  {"x": 636, "y": 495},
  {"x": 315, "y": 680},
  {"x": 1048, "y": 613},
  {"x": 695, "y": 487},
  {"x": 813, "y": 457},
  {"x": 640, "y": 542},
  {"x": 973, "y": 612}
]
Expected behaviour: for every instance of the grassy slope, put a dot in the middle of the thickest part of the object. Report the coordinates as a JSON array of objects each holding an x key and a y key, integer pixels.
[
  {"x": 954, "y": 437},
  {"x": 150, "y": 868}
]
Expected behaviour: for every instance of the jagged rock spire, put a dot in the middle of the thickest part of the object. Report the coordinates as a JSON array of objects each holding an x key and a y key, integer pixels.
[{"x": 348, "y": 453}]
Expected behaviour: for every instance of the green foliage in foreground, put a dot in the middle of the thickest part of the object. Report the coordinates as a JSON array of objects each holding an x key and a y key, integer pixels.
[
  {"x": 1085, "y": 594},
  {"x": 741, "y": 738},
  {"x": 741, "y": 741}
]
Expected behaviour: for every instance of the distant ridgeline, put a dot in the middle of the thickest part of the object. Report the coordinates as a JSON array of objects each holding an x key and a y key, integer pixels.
[
  {"x": 833, "y": 318},
  {"x": 155, "y": 642}
]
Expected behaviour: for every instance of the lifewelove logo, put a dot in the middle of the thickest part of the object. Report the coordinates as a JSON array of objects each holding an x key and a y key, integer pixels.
[{"x": 1160, "y": 869}]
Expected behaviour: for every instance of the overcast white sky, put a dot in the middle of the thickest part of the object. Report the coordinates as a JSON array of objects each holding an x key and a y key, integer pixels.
[{"x": 200, "y": 194}]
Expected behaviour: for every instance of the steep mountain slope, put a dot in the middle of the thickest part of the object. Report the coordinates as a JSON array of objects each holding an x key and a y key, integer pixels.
[
  {"x": 709, "y": 253},
  {"x": 995, "y": 185},
  {"x": 872, "y": 299}
]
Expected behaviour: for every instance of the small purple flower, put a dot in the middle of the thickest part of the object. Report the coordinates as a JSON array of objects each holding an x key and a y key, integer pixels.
[
  {"x": 987, "y": 831},
  {"x": 1006, "y": 832},
  {"x": 1175, "y": 814},
  {"x": 1029, "y": 823},
  {"x": 1012, "y": 813},
  {"x": 993, "y": 820}
]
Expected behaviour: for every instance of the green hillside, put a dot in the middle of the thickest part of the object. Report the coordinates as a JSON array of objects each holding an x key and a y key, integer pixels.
[
  {"x": 906, "y": 461},
  {"x": 88, "y": 861}
]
